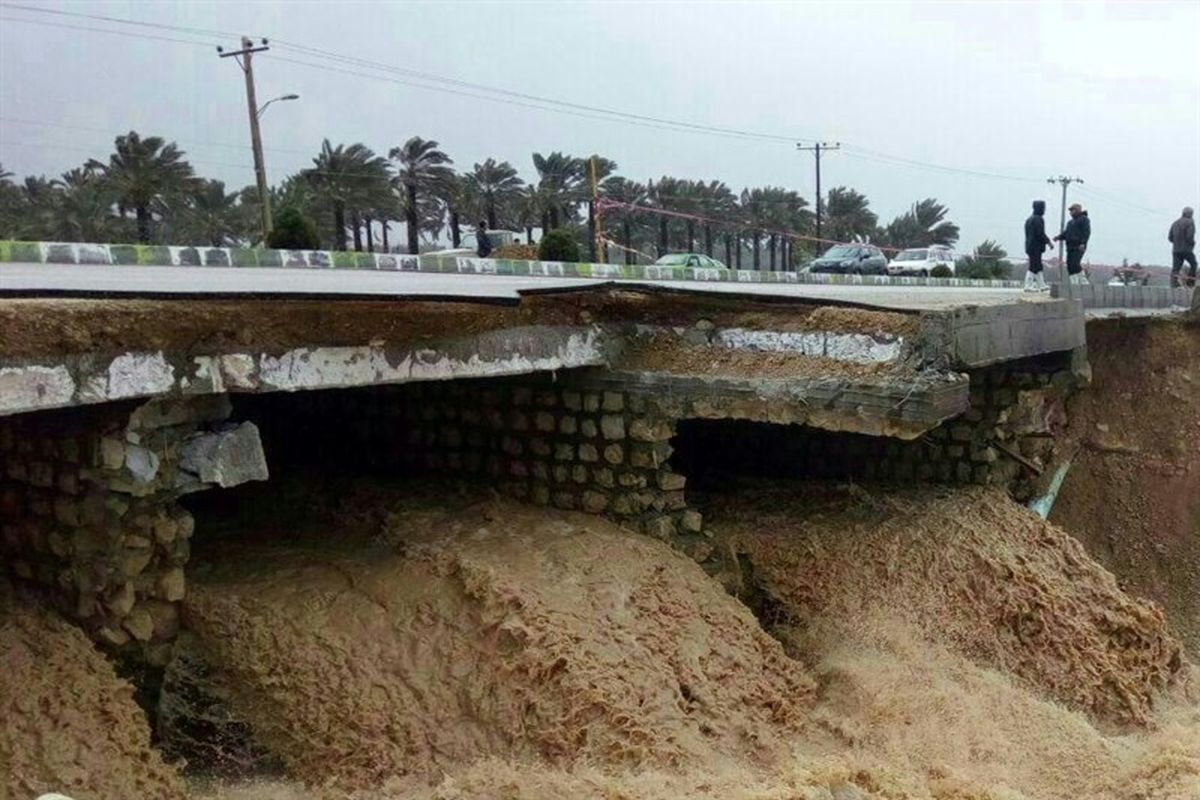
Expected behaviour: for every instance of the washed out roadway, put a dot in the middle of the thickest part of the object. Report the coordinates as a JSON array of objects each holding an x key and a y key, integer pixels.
[{"x": 133, "y": 281}]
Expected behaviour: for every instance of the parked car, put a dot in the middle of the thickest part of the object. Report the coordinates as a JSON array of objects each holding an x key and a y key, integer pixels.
[
  {"x": 689, "y": 260},
  {"x": 921, "y": 260},
  {"x": 851, "y": 259}
]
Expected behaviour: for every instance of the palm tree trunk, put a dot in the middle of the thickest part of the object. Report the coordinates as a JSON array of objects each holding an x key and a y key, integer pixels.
[
  {"x": 628, "y": 236},
  {"x": 386, "y": 248},
  {"x": 370, "y": 235},
  {"x": 339, "y": 225},
  {"x": 528, "y": 234},
  {"x": 491, "y": 213},
  {"x": 143, "y": 224},
  {"x": 357, "y": 224},
  {"x": 410, "y": 218},
  {"x": 757, "y": 258},
  {"x": 455, "y": 229},
  {"x": 708, "y": 242},
  {"x": 771, "y": 247},
  {"x": 554, "y": 217},
  {"x": 737, "y": 240},
  {"x": 728, "y": 250},
  {"x": 545, "y": 222},
  {"x": 663, "y": 245}
]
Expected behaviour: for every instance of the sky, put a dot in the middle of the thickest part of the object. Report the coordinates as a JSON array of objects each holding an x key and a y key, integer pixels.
[{"x": 990, "y": 98}]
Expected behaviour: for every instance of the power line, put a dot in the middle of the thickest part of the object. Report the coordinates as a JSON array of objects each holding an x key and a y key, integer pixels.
[
  {"x": 119, "y": 20},
  {"x": 126, "y": 34}
]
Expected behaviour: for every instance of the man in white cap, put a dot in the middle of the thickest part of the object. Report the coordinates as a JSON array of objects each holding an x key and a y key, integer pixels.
[{"x": 1182, "y": 237}]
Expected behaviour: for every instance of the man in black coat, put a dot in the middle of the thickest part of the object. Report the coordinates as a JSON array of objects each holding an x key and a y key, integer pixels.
[
  {"x": 1036, "y": 242},
  {"x": 1182, "y": 237},
  {"x": 1075, "y": 236}
]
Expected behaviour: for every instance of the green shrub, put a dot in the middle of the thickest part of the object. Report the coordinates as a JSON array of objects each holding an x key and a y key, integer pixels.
[
  {"x": 293, "y": 231},
  {"x": 558, "y": 245},
  {"x": 941, "y": 271}
]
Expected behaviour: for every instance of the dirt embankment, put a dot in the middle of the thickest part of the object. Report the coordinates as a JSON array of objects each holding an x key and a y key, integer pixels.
[
  {"x": 1132, "y": 495},
  {"x": 67, "y": 722}
]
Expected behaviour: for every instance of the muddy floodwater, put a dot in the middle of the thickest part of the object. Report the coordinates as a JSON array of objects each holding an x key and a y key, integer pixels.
[{"x": 378, "y": 640}]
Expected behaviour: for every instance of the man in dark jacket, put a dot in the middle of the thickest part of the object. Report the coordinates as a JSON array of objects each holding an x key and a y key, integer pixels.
[
  {"x": 1036, "y": 242},
  {"x": 1182, "y": 237},
  {"x": 483, "y": 243},
  {"x": 1075, "y": 236}
]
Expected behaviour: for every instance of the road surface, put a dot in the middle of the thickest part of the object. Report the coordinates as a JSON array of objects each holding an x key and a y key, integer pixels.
[{"x": 68, "y": 279}]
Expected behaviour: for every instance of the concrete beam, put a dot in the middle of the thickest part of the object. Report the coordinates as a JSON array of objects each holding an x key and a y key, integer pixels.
[
  {"x": 968, "y": 338},
  {"x": 83, "y": 379}
]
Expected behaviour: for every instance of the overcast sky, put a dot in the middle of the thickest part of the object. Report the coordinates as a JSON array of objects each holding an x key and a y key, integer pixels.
[{"x": 1106, "y": 91}]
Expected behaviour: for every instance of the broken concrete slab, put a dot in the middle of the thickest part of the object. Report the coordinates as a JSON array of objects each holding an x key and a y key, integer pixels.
[{"x": 227, "y": 457}]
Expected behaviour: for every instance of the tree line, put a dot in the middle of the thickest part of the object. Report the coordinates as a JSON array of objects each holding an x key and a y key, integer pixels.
[{"x": 353, "y": 197}]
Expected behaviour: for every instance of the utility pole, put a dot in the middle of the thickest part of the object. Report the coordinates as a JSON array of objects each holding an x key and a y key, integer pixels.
[
  {"x": 816, "y": 149},
  {"x": 594, "y": 209},
  {"x": 1062, "y": 223},
  {"x": 243, "y": 58}
]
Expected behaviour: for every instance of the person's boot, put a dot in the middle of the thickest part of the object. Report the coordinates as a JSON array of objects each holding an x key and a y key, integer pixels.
[
  {"x": 1040, "y": 280},
  {"x": 1031, "y": 282}
]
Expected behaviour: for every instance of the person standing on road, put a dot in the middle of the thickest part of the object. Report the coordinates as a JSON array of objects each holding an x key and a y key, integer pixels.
[
  {"x": 1036, "y": 242},
  {"x": 1075, "y": 236},
  {"x": 483, "y": 244},
  {"x": 1182, "y": 237}
]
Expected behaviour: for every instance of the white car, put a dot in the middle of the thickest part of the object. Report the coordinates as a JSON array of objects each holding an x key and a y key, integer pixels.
[{"x": 921, "y": 260}]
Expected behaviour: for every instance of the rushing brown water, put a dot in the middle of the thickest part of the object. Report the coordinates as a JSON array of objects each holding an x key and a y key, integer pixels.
[{"x": 945, "y": 646}]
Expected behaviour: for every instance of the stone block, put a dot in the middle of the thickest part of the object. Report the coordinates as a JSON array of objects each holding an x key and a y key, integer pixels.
[
  {"x": 604, "y": 477},
  {"x": 522, "y": 396},
  {"x": 612, "y": 426},
  {"x": 511, "y": 446},
  {"x": 593, "y": 501},
  {"x": 670, "y": 481},
  {"x": 588, "y": 429},
  {"x": 518, "y": 421},
  {"x": 171, "y": 585},
  {"x": 614, "y": 454},
  {"x": 650, "y": 430},
  {"x": 613, "y": 401},
  {"x": 564, "y": 451},
  {"x": 660, "y": 527},
  {"x": 121, "y": 601},
  {"x": 134, "y": 560},
  {"x": 139, "y": 624},
  {"x": 691, "y": 522},
  {"x": 591, "y": 402},
  {"x": 588, "y": 453},
  {"x": 564, "y": 500},
  {"x": 66, "y": 511},
  {"x": 962, "y": 432},
  {"x": 561, "y": 473},
  {"x": 568, "y": 425},
  {"x": 540, "y": 494},
  {"x": 579, "y": 473},
  {"x": 544, "y": 421},
  {"x": 547, "y": 399},
  {"x": 41, "y": 474},
  {"x": 632, "y": 480},
  {"x": 518, "y": 469},
  {"x": 674, "y": 501},
  {"x": 228, "y": 457},
  {"x": 113, "y": 637},
  {"x": 573, "y": 401},
  {"x": 623, "y": 505}
]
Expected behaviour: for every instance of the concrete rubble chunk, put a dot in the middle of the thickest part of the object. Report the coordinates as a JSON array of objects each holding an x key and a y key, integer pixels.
[
  {"x": 227, "y": 457},
  {"x": 141, "y": 462}
]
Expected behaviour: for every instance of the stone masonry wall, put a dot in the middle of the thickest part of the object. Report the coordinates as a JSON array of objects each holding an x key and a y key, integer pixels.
[
  {"x": 1004, "y": 439},
  {"x": 546, "y": 442},
  {"x": 89, "y": 511}
]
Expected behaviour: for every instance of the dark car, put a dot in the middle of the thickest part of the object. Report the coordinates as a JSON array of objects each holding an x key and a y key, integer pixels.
[{"x": 851, "y": 259}]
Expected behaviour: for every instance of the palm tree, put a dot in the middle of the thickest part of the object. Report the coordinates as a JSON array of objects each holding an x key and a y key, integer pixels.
[
  {"x": 12, "y": 207},
  {"x": 212, "y": 216},
  {"x": 342, "y": 177},
  {"x": 459, "y": 197},
  {"x": 83, "y": 210},
  {"x": 922, "y": 225},
  {"x": 421, "y": 168},
  {"x": 559, "y": 179},
  {"x": 527, "y": 210},
  {"x": 599, "y": 169},
  {"x": 494, "y": 186},
  {"x": 847, "y": 216},
  {"x": 716, "y": 201},
  {"x": 143, "y": 172},
  {"x": 625, "y": 191},
  {"x": 665, "y": 194}
]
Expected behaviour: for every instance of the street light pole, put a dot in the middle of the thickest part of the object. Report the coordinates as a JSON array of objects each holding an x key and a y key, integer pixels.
[
  {"x": 816, "y": 149},
  {"x": 263, "y": 108},
  {"x": 244, "y": 59}
]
